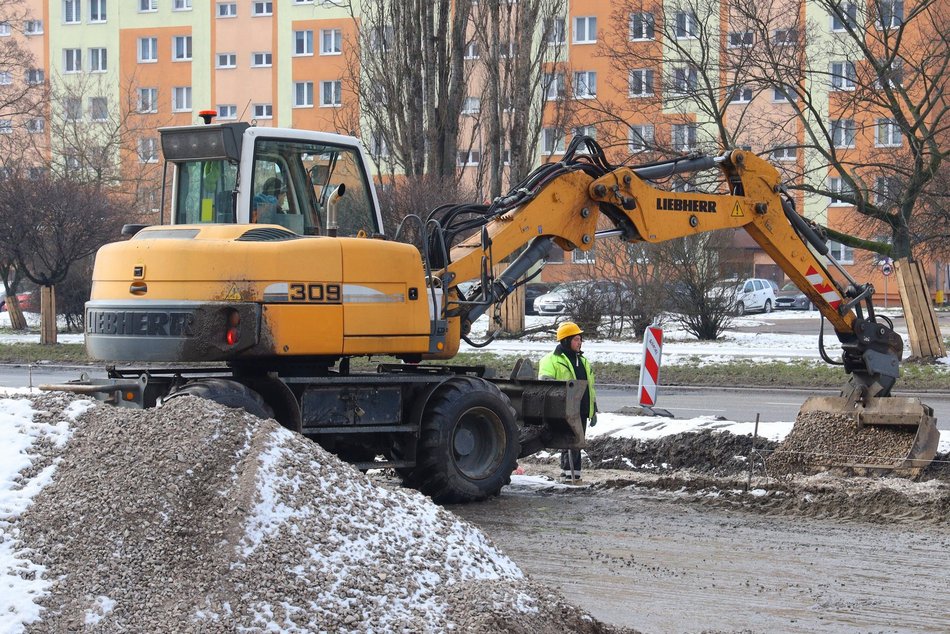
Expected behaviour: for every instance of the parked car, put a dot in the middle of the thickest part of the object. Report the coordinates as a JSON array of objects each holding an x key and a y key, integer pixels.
[
  {"x": 744, "y": 296},
  {"x": 29, "y": 302},
  {"x": 532, "y": 291},
  {"x": 792, "y": 298},
  {"x": 561, "y": 299}
]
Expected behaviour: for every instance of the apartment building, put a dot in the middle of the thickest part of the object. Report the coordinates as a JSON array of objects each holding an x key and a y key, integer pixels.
[{"x": 630, "y": 74}]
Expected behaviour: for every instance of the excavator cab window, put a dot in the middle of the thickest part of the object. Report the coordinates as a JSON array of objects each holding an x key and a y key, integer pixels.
[
  {"x": 205, "y": 192},
  {"x": 312, "y": 175}
]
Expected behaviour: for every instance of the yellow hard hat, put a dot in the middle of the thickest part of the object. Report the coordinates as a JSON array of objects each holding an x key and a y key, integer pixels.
[{"x": 568, "y": 329}]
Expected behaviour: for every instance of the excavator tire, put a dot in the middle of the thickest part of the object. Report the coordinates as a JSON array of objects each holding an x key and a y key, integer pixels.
[
  {"x": 228, "y": 393},
  {"x": 468, "y": 444}
]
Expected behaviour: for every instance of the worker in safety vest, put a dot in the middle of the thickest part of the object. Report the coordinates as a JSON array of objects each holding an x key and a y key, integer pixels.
[{"x": 566, "y": 363}]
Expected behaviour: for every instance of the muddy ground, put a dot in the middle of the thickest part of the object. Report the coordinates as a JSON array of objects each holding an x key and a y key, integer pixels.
[{"x": 695, "y": 549}]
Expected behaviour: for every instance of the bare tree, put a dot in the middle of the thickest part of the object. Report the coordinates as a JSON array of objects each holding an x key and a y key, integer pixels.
[
  {"x": 876, "y": 83},
  {"x": 409, "y": 74},
  {"x": 47, "y": 225},
  {"x": 514, "y": 44}
]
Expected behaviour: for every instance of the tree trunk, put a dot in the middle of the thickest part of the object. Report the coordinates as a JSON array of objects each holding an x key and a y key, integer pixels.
[
  {"x": 47, "y": 315},
  {"x": 17, "y": 320}
]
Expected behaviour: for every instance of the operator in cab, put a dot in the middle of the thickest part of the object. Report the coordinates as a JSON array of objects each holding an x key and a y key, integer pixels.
[{"x": 272, "y": 197}]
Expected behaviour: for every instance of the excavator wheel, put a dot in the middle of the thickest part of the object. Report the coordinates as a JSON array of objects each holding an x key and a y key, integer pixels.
[
  {"x": 228, "y": 393},
  {"x": 469, "y": 442}
]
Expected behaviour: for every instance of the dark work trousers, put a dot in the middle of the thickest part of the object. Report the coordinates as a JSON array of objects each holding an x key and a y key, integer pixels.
[{"x": 569, "y": 456}]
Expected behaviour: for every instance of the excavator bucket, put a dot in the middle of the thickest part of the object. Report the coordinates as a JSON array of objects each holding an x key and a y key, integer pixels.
[{"x": 884, "y": 436}]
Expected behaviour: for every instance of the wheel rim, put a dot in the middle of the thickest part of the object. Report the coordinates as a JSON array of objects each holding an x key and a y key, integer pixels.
[
  {"x": 478, "y": 443},
  {"x": 740, "y": 309}
]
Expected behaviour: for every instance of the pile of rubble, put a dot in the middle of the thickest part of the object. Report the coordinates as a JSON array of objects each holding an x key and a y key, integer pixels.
[{"x": 197, "y": 518}]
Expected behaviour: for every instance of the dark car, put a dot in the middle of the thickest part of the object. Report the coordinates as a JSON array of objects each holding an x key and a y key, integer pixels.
[
  {"x": 533, "y": 291},
  {"x": 792, "y": 298}
]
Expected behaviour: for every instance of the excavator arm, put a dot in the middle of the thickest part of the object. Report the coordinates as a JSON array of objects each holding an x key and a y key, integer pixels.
[{"x": 565, "y": 206}]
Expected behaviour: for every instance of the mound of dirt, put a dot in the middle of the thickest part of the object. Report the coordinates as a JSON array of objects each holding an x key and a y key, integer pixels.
[
  {"x": 707, "y": 451},
  {"x": 196, "y": 518}
]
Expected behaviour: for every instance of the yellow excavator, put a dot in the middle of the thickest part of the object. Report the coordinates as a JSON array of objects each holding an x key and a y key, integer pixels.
[{"x": 274, "y": 271}]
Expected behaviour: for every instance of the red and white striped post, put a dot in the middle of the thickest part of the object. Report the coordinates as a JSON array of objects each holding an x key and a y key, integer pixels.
[{"x": 650, "y": 368}]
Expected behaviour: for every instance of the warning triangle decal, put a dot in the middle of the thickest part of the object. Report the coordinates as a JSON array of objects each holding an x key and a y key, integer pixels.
[
  {"x": 737, "y": 211},
  {"x": 233, "y": 295}
]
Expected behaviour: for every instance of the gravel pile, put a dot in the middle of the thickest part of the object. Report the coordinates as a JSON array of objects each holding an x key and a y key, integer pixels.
[
  {"x": 820, "y": 439},
  {"x": 196, "y": 518}
]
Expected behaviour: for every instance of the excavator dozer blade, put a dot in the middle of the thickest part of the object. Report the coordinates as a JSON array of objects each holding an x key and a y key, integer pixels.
[
  {"x": 890, "y": 435},
  {"x": 548, "y": 413}
]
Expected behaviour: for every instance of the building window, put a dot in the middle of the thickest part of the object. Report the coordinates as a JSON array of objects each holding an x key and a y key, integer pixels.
[
  {"x": 227, "y": 9},
  {"x": 685, "y": 79},
  {"x": 263, "y": 8},
  {"x": 552, "y": 141},
  {"x": 72, "y": 60},
  {"x": 741, "y": 39},
  {"x": 684, "y": 137},
  {"x": 843, "y": 75},
  {"x": 303, "y": 42},
  {"x": 72, "y": 11},
  {"x": 98, "y": 109},
  {"x": 181, "y": 5},
  {"x": 6, "y": 78},
  {"x": 35, "y": 76},
  {"x": 888, "y": 134},
  {"x": 891, "y": 13},
  {"x": 556, "y": 31},
  {"x": 377, "y": 146},
  {"x": 381, "y": 39},
  {"x": 841, "y": 252},
  {"x": 784, "y": 154},
  {"x": 148, "y": 100},
  {"x": 553, "y": 86},
  {"x": 506, "y": 49},
  {"x": 73, "y": 109},
  {"x": 35, "y": 126},
  {"x": 784, "y": 37},
  {"x": 181, "y": 99},
  {"x": 148, "y": 50},
  {"x": 97, "y": 11},
  {"x": 641, "y": 82},
  {"x": 33, "y": 27},
  {"x": 331, "y": 41},
  {"x": 182, "y": 48},
  {"x": 838, "y": 186},
  {"x": 471, "y": 105},
  {"x": 98, "y": 60},
  {"x": 891, "y": 74},
  {"x": 261, "y": 60},
  {"x": 226, "y": 60},
  {"x": 6, "y": 126},
  {"x": 585, "y": 84},
  {"x": 263, "y": 111},
  {"x": 471, "y": 50},
  {"x": 640, "y": 138},
  {"x": 848, "y": 17},
  {"x": 783, "y": 93},
  {"x": 148, "y": 150},
  {"x": 843, "y": 133},
  {"x": 227, "y": 111},
  {"x": 642, "y": 26},
  {"x": 686, "y": 27},
  {"x": 585, "y": 30},
  {"x": 582, "y": 257},
  {"x": 887, "y": 191},
  {"x": 472, "y": 157},
  {"x": 147, "y": 6},
  {"x": 741, "y": 94},
  {"x": 5, "y": 29},
  {"x": 331, "y": 93},
  {"x": 303, "y": 94}
]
